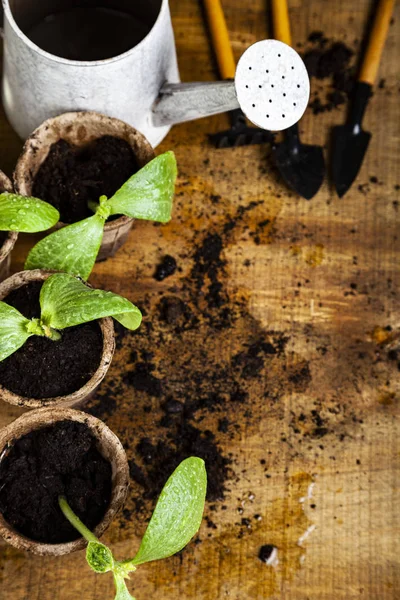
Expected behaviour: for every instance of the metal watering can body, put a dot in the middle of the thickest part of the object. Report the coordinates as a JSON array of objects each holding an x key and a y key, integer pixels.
[
  {"x": 38, "y": 85},
  {"x": 139, "y": 86}
]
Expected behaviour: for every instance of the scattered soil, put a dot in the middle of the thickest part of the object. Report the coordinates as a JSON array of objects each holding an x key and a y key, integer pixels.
[
  {"x": 265, "y": 552},
  {"x": 58, "y": 460},
  {"x": 173, "y": 311},
  {"x": 207, "y": 270},
  {"x": 106, "y": 400},
  {"x": 70, "y": 177},
  {"x": 165, "y": 268},
  {"x": 141, "y": 378},
  {"x": 42, "y": 368},
  {"x": 329, "y": 60},
  {"x": 160, "y": 458},
  {"x": 181, "y": 378},
  {"x": 202, "y": 372}
]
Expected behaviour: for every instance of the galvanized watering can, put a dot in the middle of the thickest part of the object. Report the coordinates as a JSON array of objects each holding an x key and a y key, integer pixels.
[{"x": 119, "y": 59}]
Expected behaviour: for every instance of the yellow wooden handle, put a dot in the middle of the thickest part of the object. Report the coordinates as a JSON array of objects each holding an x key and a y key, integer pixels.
[
  {"x": 370, "y": 65},
  {"x": 280, "y": 19},
  {"x": 220, "y": 38}
]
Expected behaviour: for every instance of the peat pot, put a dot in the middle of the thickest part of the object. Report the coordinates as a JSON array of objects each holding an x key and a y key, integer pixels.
[
  {"x": 107, "y": 444},
  {"x": 10, "y": 237},
  {"x": 78, "y": 396},
  {"x": 79, "y": 129}
]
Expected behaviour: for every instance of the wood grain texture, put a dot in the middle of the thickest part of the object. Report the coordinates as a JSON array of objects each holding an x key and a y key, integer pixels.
[{"x": 326, "y": 274}]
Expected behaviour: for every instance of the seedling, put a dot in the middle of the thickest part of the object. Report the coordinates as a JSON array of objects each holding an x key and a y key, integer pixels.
[
  {"x": 25, "y": 214},
  {"x": 175, "y": 520},
  {"x": 64, "y": 302},
  {"x": 148, "y": 194}
]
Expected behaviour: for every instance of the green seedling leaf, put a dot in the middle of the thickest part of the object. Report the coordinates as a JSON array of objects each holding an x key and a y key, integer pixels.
[
  {"x": 130, "y": 320},
  {"x": 29, "y": 215},
  {"x": 99, "y": 557},
  {"x": 122, "y": 592},
  {"x": 148, "y": 194},
  {"x": 175, "y": 521},
  {"x": 65, "y": 302},
  {"x": 14, "y": 330},
  {"x": 178, "y": 514},
  {"x": 72, "y": 249}
]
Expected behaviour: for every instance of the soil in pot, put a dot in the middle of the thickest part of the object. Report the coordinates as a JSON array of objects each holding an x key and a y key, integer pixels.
[
  {"x": 42, "y": 368},
  {"x": 61, "y": 459},
  {"x": 71, "y": 176}
]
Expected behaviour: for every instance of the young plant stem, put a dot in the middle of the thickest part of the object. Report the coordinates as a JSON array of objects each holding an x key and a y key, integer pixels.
[
  {"x": 75, "y": 521},
  {"x": 52, "y": 334},
  {"x": 37, "y": 327}
]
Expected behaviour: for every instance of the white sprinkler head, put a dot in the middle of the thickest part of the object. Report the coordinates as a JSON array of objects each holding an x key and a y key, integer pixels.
[{"x": 272, "y": 85}]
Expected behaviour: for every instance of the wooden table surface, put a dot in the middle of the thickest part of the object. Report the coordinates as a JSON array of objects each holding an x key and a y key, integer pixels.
[{"x": 323, "y": 275}]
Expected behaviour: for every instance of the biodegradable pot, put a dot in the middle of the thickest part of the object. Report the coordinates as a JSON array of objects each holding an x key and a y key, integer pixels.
[
  {"x": 81, "y": 128},
  {"x": 8, "y": 244},
  {"x": 108, "y": 445},
  {"x": 84, "y": 393}
]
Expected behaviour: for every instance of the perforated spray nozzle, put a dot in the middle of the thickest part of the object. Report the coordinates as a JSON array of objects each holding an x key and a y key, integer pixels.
[{"x": 272, "y": 85}]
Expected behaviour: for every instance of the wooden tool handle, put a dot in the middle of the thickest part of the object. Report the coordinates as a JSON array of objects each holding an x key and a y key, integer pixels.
[
  {"x": 220, "y": 38},
  {"x": 370, "y": 65},
  {"x": 281, "y": 23}
]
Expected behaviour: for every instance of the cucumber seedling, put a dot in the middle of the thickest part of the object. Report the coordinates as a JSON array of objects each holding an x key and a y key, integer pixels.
[
  {"x": 148, "y": 194},
  {"x": 64, "y": 302},
  {"x": 175, "y": 520},
  {"x": 26, "y": 214}
]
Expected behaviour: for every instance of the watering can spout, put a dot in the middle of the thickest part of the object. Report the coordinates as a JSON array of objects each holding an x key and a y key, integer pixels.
[
  {"x": 271, "y": 87},
  {"x": 181, "y": 102}
]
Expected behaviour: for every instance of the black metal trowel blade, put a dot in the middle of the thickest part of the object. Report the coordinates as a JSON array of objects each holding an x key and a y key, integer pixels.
[
  {"x": 302, "y": 166},
  {"x": 348, "y": 154},
  {"x": 350, "y": 142}
]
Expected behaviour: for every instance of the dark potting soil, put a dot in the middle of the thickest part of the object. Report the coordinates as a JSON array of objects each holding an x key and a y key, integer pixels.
[
  {"x": 265, "y": 552},
  {"x": 202, "y": 370},
  {"x": 182, "y": 389},
  {"x": 198, "y": 381},
  {"x": 329, "y": 60},
  {"x": 165, "y": 268},
  {"x": 70, "y": 177},
  {"x": 42, "y": 368},
  {"x": 209, "y": 266},
  {"x": 161, "y": 458},
  {"x": 58, "y": 460}
]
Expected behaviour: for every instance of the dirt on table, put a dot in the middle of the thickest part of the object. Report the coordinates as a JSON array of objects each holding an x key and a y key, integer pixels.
[
  {"x": 199, "y": 359},
  {"x": 70, "y": 177},
  {"x": 39, "y": 467},
  {"x": 202, "y": 371},
  {"x": 43, "y": 368},
  {"x": 165, "y": 268},
  {"x": 331, "y": 61}
]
